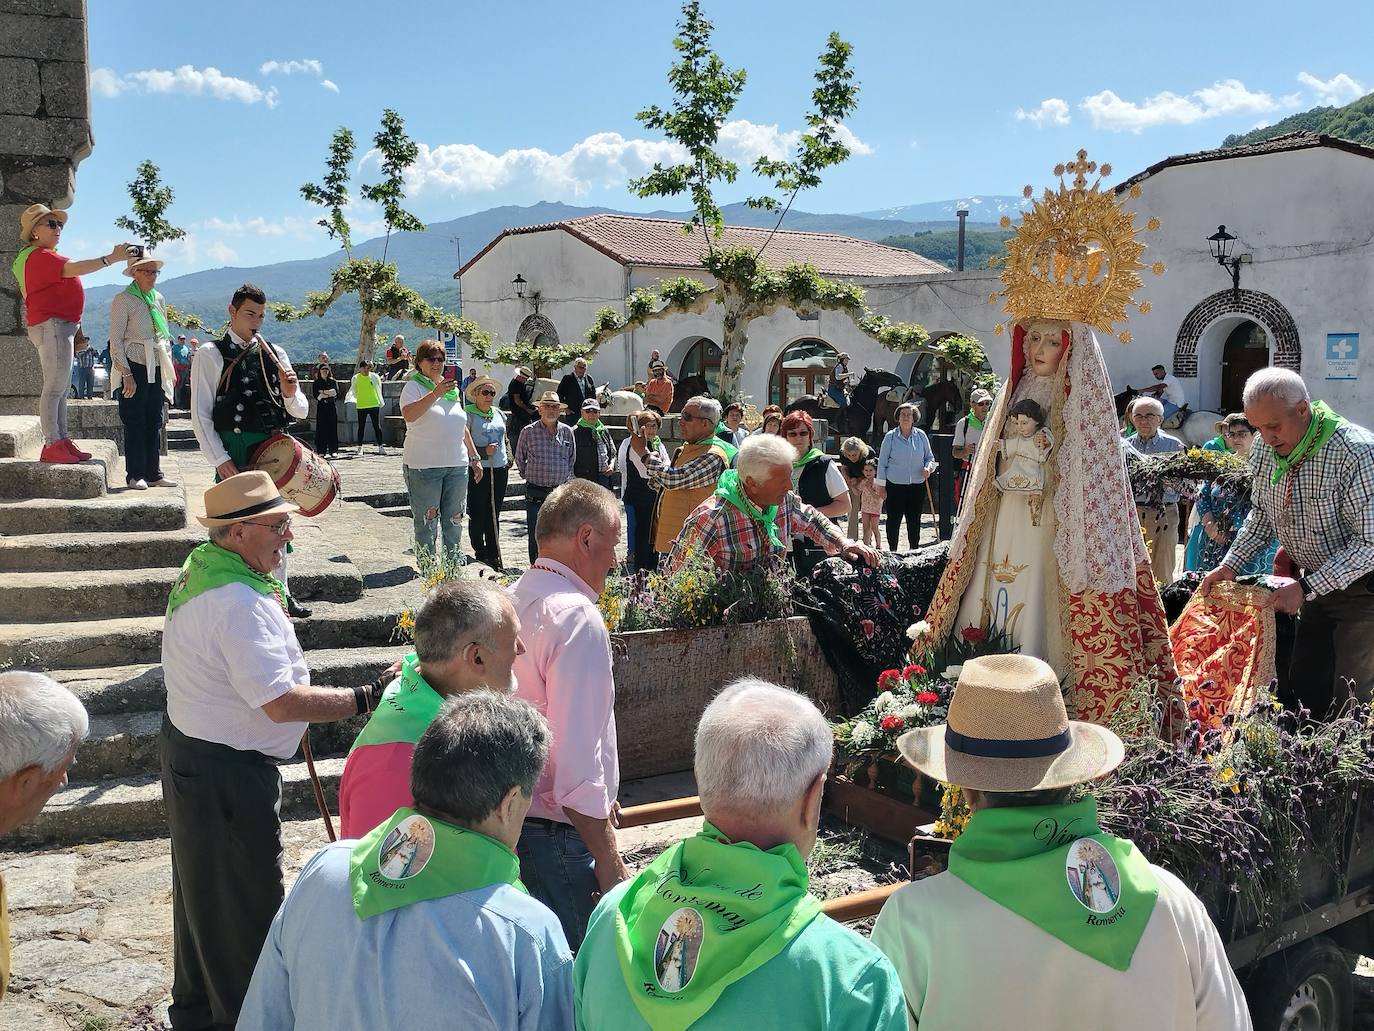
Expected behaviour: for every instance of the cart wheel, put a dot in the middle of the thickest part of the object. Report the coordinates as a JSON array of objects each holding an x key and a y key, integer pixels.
[{"x": 1305, "y": 988}]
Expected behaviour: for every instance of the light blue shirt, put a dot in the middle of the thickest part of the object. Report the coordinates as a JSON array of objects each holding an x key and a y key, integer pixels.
[
  {"x": 1160, "y": 444},
  {"x": 489, "y": 429},
  {"x": 492, "y": 959},
  {"x": 903, "y": 460}
]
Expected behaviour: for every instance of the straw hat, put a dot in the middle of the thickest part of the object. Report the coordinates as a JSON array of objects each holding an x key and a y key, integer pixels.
[
  {"x": 550, "y": 397},
  {"x": 137, "y": 263},
  {"x": 478, "y": 384},
  {"x": 34, "y": 214},
  {"x": 522, "y": 371},
  {"x": 1008, "y": 731},
  {"x": 242, "y": 496}
]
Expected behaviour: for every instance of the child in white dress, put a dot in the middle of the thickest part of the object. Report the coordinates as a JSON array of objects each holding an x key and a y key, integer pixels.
[{"x": 1024, "y": 453}]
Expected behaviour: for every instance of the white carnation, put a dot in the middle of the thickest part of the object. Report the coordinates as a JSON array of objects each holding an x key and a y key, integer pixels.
[
  {"x": 911, "y": 711},
  {"x": 884, "y": 703},
  {"x": 951, "y": 673},
  {"x": 919, "y": 630},
  {"x": 862, "y": 733}
]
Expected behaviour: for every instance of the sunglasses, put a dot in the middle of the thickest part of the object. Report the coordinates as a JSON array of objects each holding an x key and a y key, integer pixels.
[
  {"x": 486, "y": 393},
  {"x": 52, "y": 223}
]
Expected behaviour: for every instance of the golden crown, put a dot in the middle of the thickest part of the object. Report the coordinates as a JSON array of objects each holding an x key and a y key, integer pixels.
[
  {"x": 1006, "y": 571},
  {"x": 1075, "y": 256}
]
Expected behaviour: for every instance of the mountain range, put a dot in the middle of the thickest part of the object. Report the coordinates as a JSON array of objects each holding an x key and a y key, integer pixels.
[{"x": 426, "y": 262}]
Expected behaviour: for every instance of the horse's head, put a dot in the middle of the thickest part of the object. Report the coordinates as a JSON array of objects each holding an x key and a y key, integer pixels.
[
  {"x": 1123, "y": 399},
  {"x": 603, "y": 394}
]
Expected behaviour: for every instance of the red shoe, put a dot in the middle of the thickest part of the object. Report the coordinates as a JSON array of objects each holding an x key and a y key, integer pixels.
[
  {"x": 57, "y": 454},
  {"x": 77, "y": 453}
]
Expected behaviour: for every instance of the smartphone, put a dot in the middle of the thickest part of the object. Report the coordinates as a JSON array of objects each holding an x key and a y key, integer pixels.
[
  {"x": 451, "y": 372},
  {"x": 135, "y": 250}
]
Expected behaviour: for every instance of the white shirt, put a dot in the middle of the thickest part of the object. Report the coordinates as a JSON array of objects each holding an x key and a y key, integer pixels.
[
  {"x": 435, "y": 439},
  {"x": 965, "y": 962},
  {"x": 835, "y": 483},
  {"x": 967, "y": 435},
  {"x": 625, "y": 456},
  {"x": 225, "y": 654},
  {"x": 206, "y": 366},
  {"x": 1173, "y": 390}
]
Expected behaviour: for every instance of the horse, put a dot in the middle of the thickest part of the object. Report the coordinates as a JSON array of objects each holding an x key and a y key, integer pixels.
[
  {"x": 687, "y": 388},
  {"x": 857, "y": 418},
  {"x": 942, "y": 401},
  {"x": 618, "y": 402},
  {"x": 1193, "y": 428}
]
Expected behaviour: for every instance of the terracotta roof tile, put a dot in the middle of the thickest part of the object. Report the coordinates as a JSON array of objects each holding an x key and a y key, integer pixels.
[{"x": 634, "y": 240}]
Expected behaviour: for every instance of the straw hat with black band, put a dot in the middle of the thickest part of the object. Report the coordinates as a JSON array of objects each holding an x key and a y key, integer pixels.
[
  {"x": 34, "y": 214},
  {"x": 134, "y": 264},
  {"x": 1007, "y": 731},
  {"x": 550, "y": 397},
  {"x": 476, "y": 385},
  {"x": 241, "y": 497}
]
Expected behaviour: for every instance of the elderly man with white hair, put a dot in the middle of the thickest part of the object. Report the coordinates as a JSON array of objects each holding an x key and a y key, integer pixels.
[
  {"x": 694, "y": 472},
  {"x": 1160, "y": 524},
  {"x": 754, "y": 514},
  {"x": 720, "y": 931},
  {"x": 1313, "y": 484},
  {"x": 41, "y": 725}
]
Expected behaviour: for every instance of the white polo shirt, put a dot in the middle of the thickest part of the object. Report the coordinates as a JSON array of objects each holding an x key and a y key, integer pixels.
[
  {"x": 435, "y": 439},
  {"x": 225, "y": 654}
]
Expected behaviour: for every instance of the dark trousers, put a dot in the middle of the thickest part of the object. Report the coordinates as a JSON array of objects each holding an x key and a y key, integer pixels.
[
  {"x": 904, "y": 502},
  {"x": 363, "y": 414},
  {"x": 484, "y": 514},
  {"x": 557, "y": 868},
  {"x": 224, "y": 813},
  {"x": 85, "y": 381},
  {"x": 1333, "y": 658},
  {"x": 327, "y": 428},
  {"x": 535, "y": 496},
  {"x": 646, "y": 558},
  {"x": 142, "y": 419}
]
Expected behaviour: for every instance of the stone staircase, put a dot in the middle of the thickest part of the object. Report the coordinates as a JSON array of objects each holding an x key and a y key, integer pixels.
[{"x": 85, "y": 569}]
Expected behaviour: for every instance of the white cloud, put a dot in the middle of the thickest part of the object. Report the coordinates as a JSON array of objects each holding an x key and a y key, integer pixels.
[
  {"x": 186, "y": 79},
  {"x": 307, "y": 66},
  {"x": 1052, "y": 111},
  {"x": 195, "y": 251},
  {"x": 287, "y": 225},
  {"x": 1226, "y": 97},
  {"x": 1338, "y": 90},
  {"x": 329, "y": 85}
]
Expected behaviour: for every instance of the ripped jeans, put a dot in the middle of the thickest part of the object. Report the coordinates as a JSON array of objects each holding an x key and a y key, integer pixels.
[{"x": 438, "y": 498}]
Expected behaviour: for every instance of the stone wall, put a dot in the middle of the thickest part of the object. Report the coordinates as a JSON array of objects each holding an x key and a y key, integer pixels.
[{"x": 45, "y": 131}]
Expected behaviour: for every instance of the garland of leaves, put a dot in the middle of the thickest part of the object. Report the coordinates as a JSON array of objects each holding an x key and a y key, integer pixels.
[{"x": 1154, "y": 475}]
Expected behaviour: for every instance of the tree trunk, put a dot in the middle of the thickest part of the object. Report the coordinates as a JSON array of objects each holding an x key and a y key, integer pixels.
[
  {"x": 367, "y": 337},
  {"x": 735, "y": 338}
]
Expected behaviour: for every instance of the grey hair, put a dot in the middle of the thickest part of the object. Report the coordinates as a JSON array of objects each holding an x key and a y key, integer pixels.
[
  {"x": 40, "y": 722},
  {"x": 758, "y": 748},
  {"x": 575, "y": 504},
  {"x": 220, "y": 534},
  {"x": 480, "y": 746},
  {"x": 761, "y": 453},
  {"x": 1281, "y": 384},
  {"x": 457, "y": 613},
  {"x": 1142, "y": 403},
  {"x": 852, "y": 445},
  {"x": 707, "y": 407}
]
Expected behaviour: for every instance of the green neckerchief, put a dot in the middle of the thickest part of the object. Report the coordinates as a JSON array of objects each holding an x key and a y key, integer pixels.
[
  {"x": 414, "y": 858},
  {"x": 1324, "y": 423},
  {"x": 406, "y": 709},
  {"x": 449, "y": 395},
  {"x": 472, "y": 409},
  {"x": 160, "y": 328},
  {"x": 17, "y": 267},
  {"x": 704, "y": 914},
  {"x": 731, "y": 488},
  {"x": 210, "y": 566},
  {"x": 974, "y": 421},
  {"x": 810, "y": 456},
  {"x": 598, "y": 426},
  {"x": 1053, "y": 866},
  {"x": 730, "y": 450}
]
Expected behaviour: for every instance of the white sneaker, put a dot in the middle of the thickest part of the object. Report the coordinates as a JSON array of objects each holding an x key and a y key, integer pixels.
[
  {"x": 138, "y": 484},
  {"x": 164, "y": 482},
  {"x": 381, "y": 450}
]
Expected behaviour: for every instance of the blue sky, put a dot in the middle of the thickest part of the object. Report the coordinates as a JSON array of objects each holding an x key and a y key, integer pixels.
[{"x": 518, "y": 102}]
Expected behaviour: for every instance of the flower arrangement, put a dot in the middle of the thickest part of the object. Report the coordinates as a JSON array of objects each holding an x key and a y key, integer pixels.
[
  {"x": 907, "y": 698},
  {"x": 698, "y": 594},
  {"x": 433, "y": 572},
  {"x": 1152, "y": 476}
]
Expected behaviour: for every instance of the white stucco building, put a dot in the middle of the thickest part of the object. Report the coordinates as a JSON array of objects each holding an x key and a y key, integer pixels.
[{"x": 1301, "y": 207}]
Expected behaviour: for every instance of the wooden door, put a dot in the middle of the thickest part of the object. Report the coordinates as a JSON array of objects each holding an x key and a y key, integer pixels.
[{"x": 1246, "y": 351}]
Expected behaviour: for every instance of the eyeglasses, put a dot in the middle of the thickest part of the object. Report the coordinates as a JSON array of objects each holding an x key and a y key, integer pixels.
[
  {"x": 439, "y": 358},
  {"x": 799, "y": 433},
  {"x": 146, "y": 271},
  {"x": 281, "y": 529},
  {"x": 1144, "y": 417},
  {"x": 692, "y": 415},
  {"x": 1236, "y": 434},
  {"x": 486, "y": 393}
]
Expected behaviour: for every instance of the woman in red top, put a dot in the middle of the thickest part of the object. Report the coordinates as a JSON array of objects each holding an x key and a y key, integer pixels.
[{"x": 53, "y": 299}]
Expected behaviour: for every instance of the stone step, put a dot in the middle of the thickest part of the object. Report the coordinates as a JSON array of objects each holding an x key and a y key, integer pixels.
[
  {"x": 181, "y": 431},
  {"x": 116, "y": 690},
  {"x": 124, "y": 510},
  {"x": 30, "y": 478},
  {"x": 67, "y": 552},
  {"x": 21, "y": 436},
  {"x": 120, "y": 641},
  {"x": 131, "y": 807},
  {"x": 182, "y": 444}
]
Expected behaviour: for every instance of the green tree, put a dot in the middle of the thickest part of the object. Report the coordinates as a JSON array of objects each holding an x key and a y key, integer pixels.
[
  {"x": 148, "y": 224},
  {"x": 374, "y": 281},
  {"x": 746, "y": 287}
]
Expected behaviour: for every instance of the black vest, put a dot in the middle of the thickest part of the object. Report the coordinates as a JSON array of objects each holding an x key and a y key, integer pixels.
[
  {"x": 811, "y": 484},
  {"x": 248, "y": 399},
  {"x": 638, "y": 491}
]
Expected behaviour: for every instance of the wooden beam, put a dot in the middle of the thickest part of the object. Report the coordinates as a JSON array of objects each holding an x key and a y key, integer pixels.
[
  {"x": 660, "y": 812},
  {"x": 859, "y": 905}
]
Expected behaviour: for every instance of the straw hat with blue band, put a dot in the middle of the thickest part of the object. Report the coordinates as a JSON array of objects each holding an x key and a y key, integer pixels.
[{"x": 1007, "y": 730}]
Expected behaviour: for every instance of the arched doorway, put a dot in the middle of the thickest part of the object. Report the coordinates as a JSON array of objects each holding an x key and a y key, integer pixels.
[
  {"x": 703, "y": 359},
  {"x": 1246, "y": 350},
  {"x": 536, "y": 329},
  {"x": 803, "y": 368}
]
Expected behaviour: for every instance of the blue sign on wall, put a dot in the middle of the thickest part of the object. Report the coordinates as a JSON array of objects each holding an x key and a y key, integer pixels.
[{"x": 1342, "y": 356}]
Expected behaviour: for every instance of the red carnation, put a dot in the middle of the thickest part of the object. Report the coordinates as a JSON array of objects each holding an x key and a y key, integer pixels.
[
  {"x": 913, "y": 670},
  {"x": 973, "y": 633},
  {"x": 928, "y": 698},
  {"x": 891, "y": 723},
  {"x": 887, "y": 679}
]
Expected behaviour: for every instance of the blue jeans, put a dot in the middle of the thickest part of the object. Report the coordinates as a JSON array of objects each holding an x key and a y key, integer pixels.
[
  {"x": 85, "y": 381},
  {"x": 444, "y": 492},
  {"x": 1169, "y": 407},
  {"x": 557, "y": 868}
]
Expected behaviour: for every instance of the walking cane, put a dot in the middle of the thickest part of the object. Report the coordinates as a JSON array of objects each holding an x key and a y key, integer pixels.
[
  {"x": 315, "y": 783},
  {"x": 934, "y": 514},
  {"x": 495, "y": 529}
]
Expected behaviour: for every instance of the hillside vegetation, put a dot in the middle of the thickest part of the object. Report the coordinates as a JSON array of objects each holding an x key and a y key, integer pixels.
[
  {"x": 942, "y": 245},
  {"x": 1354, "y": 122}
]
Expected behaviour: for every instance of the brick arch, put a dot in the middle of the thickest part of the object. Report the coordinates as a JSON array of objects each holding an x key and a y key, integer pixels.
[
  {"x": 1252, "y": 304},
  {"x": 536, "y": 325}
]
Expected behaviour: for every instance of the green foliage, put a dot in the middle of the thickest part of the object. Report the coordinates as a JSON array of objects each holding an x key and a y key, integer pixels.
[
  {"x": 332, "y": 194},
  {"x": 942, "y": 245},
  {"x": 185, "y": 320},
  {"x": 398, "y": 153},
  {"x": 150, "y": 203},
  {"x": 1354, "y": 122},
  {"x": 681, "y": 292},
  {"x": 903, "y": 337},
  {"x": 964, "y": 354}
]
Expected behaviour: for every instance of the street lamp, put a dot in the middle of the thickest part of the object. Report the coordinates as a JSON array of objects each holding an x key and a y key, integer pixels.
[
  {"x": 1220, "y": 243},
  {"x": 519, "y": 283}
]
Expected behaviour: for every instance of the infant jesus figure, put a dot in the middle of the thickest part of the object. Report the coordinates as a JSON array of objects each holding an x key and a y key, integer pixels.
[{"x": 1024, "y": 451}]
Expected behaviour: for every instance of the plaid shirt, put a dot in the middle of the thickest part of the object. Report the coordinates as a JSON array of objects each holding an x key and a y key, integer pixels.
[
  {"x": 702, "y": 471},
  {"x": 736, "y": 542},
  {"x": 545, "y": 459},
  {"x": 1323, "y": 512}
]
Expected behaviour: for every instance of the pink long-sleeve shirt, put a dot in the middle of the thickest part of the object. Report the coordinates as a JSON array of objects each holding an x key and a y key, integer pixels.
[{"x": 566, "y": 674}]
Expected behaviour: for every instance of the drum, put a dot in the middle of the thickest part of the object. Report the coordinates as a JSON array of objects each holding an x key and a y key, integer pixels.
[{"x": 304, "y": 478}]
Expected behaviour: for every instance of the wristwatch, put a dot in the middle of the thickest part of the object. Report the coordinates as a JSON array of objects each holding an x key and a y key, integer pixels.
[{"x": 1308, "y": 594}]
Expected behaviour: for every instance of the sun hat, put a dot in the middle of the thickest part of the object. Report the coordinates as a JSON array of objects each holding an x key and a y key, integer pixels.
[
  {"x": 32, "y": 215},
  {"x": 980, "y": 397},
  {"x": 477, "y": 384},
  {"x": 550, "y": 397},
  {"x": 138, "y": 263},
  {"x": 243, "y": 496},
  {"x": 1007, "y": 730},
  {"x": 591, "y": 405},
  {"x": 522, "y": 371}
]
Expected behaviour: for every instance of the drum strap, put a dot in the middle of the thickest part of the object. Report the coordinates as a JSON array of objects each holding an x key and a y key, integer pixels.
[{"x": 315, "y": 783}]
